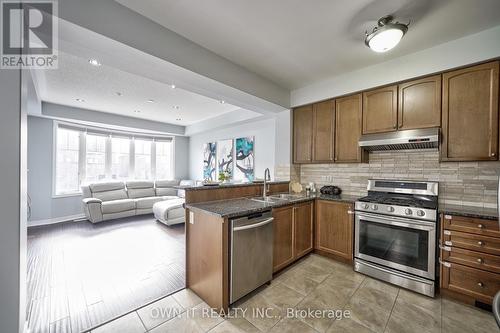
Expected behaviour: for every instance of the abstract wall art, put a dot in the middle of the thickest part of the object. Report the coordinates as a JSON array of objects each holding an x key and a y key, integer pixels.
[
  {"x": 245, "y": 159},
  {"x": 225, "y": 157},
  {"x": 209, "y": 161}
]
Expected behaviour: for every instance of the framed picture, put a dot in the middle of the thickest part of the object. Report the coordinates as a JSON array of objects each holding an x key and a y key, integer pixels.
[
  {"x": 225, "y": 162},
  {"x": 245, "y": 158},
  {"x": 209, "y": 162}
]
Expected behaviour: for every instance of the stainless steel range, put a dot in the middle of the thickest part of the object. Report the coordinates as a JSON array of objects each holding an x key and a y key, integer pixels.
[{"x": 395, "y": 233}]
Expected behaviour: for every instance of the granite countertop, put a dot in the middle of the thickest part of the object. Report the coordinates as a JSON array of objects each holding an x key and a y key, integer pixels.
[
  {"x": 244, "y": 206},
  {"x": 203, "y": 187},
  {"x": 470, "y": 211}
]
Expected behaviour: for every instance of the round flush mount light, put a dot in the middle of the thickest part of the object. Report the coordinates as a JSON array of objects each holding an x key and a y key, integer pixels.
[
  {"x": 222, "y": 101},
  {"x": 137, "y": 111},
  {"x": 119, "y": 93},
  {"x": 386, "y": 35},
  {"x": 177, "y": 107},
  {"x": 94, "y": 62},
  {"x": 172, "y": 86},
  {"x": 178, "y": 119},
  {"x": 150, "y": 100},
  {"x": 81, "y": 100}
]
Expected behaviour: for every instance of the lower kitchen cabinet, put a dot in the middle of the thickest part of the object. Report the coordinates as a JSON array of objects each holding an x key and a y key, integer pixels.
[
  {"x": 470, "y": 258},
  {"x": 293, "y": 233},
  {"x": 334, "y": 229},
  {"x": 283, "y": 237},
  {"x": 303, "y": 228}
]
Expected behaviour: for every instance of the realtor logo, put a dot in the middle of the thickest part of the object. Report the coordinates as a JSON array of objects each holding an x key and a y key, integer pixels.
[{"x": 29, "y": 34}]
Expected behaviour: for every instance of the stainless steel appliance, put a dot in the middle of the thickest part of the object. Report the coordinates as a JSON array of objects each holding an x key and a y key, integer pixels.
[
  {"x": 398, "y": 140},
  {"x": 395, "y": 233},
  {"x": 251, "y": 263}
]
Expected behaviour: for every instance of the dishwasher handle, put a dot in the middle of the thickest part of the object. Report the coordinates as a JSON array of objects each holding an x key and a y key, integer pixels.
[{"x": 255, "y": 225}]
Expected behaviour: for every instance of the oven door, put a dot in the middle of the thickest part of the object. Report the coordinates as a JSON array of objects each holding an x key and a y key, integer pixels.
[{"x": 404, "y": 244}]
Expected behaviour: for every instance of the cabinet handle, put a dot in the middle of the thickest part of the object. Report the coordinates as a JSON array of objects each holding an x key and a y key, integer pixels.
[
  {"x": 480, "y": 284},
  {"x": 444, "y": 263},
  {"x": 480, "y": 260},
  {"x": 480, "y": 243},
  {"x": 492, "y": 154},
  {"x": 394, "y": 127},
  {"x": 350, "y": 212},
  {"x": 480, "y": 226}
]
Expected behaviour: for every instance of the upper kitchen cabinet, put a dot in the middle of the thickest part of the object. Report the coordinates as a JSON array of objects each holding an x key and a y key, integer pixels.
[
  {"x": 348, "y": 120},
  {"x": 470, "y": 114},
  {"x": 302, "y": 134},
  {"x": 323, "y": 131},
  {"x": 380, "y": 110},
  {"x": 420, "y": 103}
]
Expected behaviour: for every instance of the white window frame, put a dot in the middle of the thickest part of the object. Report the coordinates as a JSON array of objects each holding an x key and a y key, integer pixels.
[{"x": 83, "y": 151}]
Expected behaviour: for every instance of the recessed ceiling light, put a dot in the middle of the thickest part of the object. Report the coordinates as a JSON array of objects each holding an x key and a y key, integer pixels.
[
  {"x": 94, "y": 62},
  {"x": 177, "y": 107},
  {"x": 151, "y": 100},
  {"x": 172, "y": 86},
  {"x": 81, "y": 100},
  {"x": 119, "y": 93},
  {"x": 386, "y": 35},
  {"x": 137, "y": 111},
  {"x": 222, "y": 101}
]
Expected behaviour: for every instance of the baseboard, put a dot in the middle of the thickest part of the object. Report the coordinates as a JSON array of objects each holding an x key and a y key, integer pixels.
[{"x": 54, "y": 220}]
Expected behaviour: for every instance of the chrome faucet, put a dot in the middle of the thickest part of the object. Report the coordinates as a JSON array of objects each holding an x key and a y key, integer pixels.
[{"x": 267, "y": 177}]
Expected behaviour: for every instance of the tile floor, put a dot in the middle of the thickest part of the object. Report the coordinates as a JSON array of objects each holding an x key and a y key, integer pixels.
[{"x": 313, "y": 283}]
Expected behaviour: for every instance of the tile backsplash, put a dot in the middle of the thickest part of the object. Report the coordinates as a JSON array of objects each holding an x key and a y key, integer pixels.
[{"x": 460, "y": 183}]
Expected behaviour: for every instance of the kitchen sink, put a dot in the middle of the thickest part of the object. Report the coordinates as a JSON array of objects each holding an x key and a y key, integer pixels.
[
  {"x": 268, "y": 199},
  {"x": 287, "y": 196}
]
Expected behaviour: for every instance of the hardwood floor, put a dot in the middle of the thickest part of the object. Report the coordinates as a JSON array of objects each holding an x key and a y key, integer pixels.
[{"x": 83, "y": 274}]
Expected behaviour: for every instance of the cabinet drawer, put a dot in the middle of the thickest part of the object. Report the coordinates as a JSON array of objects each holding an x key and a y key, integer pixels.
[
  {"x": 469, "y": 258},
  {"x": 476, "y": 283},
  {"x": 472, "y": 242},
  {"x": 473, "y": 225}
]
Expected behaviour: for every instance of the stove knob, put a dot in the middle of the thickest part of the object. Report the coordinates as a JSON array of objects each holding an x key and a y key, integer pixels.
[
  {"x": 408, "y": 211},
  {"x": 374, "y": 207},
  {"x": 365, "y": 206},
  {"x": 390, "y": 209},
  {"x": 420, "y": 213}
]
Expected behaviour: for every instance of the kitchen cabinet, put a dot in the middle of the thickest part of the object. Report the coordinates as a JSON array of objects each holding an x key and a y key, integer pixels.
[
  {"x": 470, "y": 114},
  {"x": 323, "y": 131},
  {"x": 302, "y": 134},
  {"x": 334, "y": 229},
  {"x": 303, "y": 228},
  {"x": 293, "y": 233},
  {"x": 380, "y": 110},
  {"x": 348, "y": 120},
  {"x": 283, "y": 253},
  {"x": 470, "y": 258},
  {"x": 419, "y": 103}
]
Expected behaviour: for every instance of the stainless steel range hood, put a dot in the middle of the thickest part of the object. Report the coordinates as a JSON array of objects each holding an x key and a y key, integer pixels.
[{"x": 400, "y": 140}]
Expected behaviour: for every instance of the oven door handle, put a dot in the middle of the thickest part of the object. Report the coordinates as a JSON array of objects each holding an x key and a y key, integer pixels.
[{"x": 397, "y": 221}]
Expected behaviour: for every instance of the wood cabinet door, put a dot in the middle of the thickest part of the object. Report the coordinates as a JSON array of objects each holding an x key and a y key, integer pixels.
[
  {"x": 323, "y": 128},
  {"x": 303, "y": 228},
  {"x": 302, "y": 134},
  {"x": 334, "y": 228},
  {"x": 348, "y": 120},
  {"x": 283, "y": 237},
  {"x": 470, "y": 114},
  {"x": 420, "y": 103},
  {"x": 380, "y": 110}
]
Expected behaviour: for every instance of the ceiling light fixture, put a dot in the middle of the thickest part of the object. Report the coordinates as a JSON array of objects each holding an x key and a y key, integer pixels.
[
  {"x": 81, "y": 100},
  {"x": 172, "y": 86},
  {"x": 222, "y": 101},
  {"x": 177, "y": 107},
  {"x": 386, "y": 35},
  {"x": 151, "y": 100},
  {"x": 178, "y": 119},
  {"x": 94, "y": 62},
  {"x": 119, "y": 93},
  {"x": 137, "y": 111}
]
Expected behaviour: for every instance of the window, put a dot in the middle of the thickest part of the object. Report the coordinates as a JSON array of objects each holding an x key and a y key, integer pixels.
[
  {"x": 85, "y": 157},
  {"x": 142, "y": 159},
  {"x": 120, "y": 160},
  {"x": 67, "y": 161},
  {"x": 95, "y": 158},
  {"x": 164, "y": 160}
]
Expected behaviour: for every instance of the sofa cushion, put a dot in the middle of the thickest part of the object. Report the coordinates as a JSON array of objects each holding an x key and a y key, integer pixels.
[
  {"x": 169, "y": 209},
  {"x": 116, "y": 206},
  {"x": 165, "y": 187},
  {"x": 108, "y": 191},
  {"x": 140, "y": 189},
  {"x": 182, "y": 193},
  {"x": 147, "y": 202}
]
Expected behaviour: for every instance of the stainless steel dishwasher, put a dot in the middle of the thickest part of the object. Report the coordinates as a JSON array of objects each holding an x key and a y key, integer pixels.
[{"x": 251, "y": 253}]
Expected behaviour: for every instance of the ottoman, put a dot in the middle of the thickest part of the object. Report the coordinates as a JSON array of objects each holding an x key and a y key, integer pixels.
[{"x": 170, "y": 212}]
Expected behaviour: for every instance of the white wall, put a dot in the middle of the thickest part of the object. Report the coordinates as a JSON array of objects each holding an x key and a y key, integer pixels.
[
  {"x": 264, "y": 131},
  {"x": 470, "y": 49}
]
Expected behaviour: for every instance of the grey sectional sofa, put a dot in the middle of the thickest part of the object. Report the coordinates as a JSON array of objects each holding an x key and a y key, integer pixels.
[{"x": 112, "y": 200}]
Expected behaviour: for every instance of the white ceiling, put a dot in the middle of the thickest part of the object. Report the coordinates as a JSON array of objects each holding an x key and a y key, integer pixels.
[
  {"x": 295, "y": 43},
  {"x": 76, "y": 79}
]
